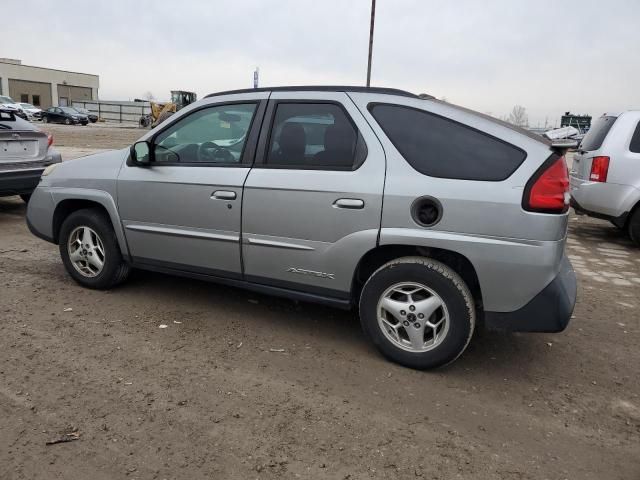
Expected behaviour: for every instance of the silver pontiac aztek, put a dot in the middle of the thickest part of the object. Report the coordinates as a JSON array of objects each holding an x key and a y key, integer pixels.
[{"x": 427, "y": 218}]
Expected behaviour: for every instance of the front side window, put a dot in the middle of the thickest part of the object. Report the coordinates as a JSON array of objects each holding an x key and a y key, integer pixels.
[
  {"x": 443, "y": 148},
  {"x": 211, "y": 135},
  {"x": 314, "y": 136}
]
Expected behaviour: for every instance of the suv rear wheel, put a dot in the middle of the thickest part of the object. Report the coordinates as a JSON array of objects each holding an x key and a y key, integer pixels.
[
  {"x": 90, "y": 251},
  {"x": 418, "y": 312},
  {"x": 634, "y": 227}
]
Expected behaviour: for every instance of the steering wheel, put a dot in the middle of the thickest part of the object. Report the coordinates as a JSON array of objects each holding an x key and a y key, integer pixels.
[{"x": 210, "y": 152}]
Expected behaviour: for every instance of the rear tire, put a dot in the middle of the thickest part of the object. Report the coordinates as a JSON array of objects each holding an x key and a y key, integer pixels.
[
  {"x": 427, "y": 327},
  {"x": 634, "y": 227},
  {"x": 101, "y": 244}
]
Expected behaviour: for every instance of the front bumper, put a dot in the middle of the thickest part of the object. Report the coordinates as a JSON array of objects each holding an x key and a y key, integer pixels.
[{"x": 549, "y": 311}]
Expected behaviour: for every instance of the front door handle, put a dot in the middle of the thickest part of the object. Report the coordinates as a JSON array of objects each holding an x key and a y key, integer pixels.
[
  {"x": 353, "y": 203},
  {"x": 223, "y": 195}
]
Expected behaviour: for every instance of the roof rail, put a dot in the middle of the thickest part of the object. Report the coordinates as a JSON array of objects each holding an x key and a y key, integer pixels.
[{"x": 321, "y": 88}]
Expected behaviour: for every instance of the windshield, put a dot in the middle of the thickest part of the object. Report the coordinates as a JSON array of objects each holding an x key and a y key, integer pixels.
[
  {"x": 6, "y": 100},
  {"x": 27, "y": 105},
  {"x": 69, "y": 110},
  {"x": 81, "y": 110}
]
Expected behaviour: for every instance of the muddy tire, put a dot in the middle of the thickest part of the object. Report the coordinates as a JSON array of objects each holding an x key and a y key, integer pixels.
[
  {"x": 418, "y": 312},
  {"x": 89, "y": 250}
]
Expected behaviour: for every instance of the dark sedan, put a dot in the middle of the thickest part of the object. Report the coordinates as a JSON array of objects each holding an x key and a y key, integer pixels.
[
  {"x": 66, "y": 115},
  {"x": 93, "y": 118}
]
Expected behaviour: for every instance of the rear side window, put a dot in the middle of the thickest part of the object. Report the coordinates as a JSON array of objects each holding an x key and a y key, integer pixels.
[
  {"x": 9, "y": 121},
  {"x": 314, "y": 136},
  {"x": 443, "y": 148},
  {"x": 597, "y": 133},
  {"x": 634, "y": 146}
]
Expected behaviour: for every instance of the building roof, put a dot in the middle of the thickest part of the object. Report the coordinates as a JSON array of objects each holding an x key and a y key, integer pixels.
[
  {"x": 321, "y": 88},
  {"x": 13, "y": 64}
]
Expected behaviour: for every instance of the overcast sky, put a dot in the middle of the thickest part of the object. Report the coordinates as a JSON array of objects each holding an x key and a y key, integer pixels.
[{"x": 549, "y": 56}]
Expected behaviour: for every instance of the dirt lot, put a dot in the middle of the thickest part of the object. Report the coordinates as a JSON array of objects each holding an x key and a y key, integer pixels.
[{"x": 207, "y": 398}]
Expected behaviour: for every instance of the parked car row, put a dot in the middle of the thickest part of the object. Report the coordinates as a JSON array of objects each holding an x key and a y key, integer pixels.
[{"x": 61, "y": 114}]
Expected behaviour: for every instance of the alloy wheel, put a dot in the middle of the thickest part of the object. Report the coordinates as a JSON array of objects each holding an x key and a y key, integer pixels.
[
  {"x": 413, "y": 317},
  {"x": 86, "y": 251}
]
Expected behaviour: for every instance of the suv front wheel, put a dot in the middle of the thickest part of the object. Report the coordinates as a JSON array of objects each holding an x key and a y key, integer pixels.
[
  {"x": 89, "y": 250},
  {"x": 418, "y": 312}
]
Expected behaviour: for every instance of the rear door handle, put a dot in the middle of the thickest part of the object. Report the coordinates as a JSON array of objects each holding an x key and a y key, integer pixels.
[
  {"x": 353, "y": 203},
  {"x": 224, "y": 195}
]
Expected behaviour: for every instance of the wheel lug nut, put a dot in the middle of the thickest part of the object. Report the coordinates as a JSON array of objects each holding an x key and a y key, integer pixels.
[
  {"x": 417, "y": 325},
  {"x": 402, "y": 312},
  {"x": 412, "y": 308},
  {"x": 421, "y": 315},
  {"x": 405, "y": 323}
]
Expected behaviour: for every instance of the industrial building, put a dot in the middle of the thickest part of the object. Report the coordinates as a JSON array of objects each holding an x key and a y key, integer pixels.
[{"x": 45, "y": 87}]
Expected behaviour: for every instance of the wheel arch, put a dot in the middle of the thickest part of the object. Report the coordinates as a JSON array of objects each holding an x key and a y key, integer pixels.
[
  {"x": 376, "y": 257},
  {"x": 71, "y": 201}
]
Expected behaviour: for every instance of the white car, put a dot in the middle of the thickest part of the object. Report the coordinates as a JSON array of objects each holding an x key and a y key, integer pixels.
[
  {"x": 8, "y": 104},
  {"x": 605, "y": 178},
  {"x": 33, "y": 112}
]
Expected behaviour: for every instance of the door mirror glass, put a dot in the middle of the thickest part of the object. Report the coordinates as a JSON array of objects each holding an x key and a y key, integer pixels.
[{"x": 140, "y": 153}]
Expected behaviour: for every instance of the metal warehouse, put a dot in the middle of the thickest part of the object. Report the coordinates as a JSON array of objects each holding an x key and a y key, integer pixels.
[{"x": 45, "y": 87}]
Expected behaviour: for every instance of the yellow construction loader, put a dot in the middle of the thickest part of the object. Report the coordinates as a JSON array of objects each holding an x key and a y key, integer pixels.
[{"x": 161, "y": 111}]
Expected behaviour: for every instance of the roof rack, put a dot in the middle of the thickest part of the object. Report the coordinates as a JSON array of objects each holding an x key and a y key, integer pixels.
[{"x": 321, "y": 88}]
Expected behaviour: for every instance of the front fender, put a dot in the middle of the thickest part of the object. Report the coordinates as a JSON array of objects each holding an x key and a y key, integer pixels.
[{"x": 60, "y": 194}]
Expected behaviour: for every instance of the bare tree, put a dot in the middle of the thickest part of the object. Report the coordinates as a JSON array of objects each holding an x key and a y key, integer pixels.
[
  {"x": 518, "y": 116},
  {"x": 149, "y": 96}
]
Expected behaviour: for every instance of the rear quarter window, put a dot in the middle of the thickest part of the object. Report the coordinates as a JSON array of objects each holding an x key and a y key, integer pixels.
[
  {"x": 597, "y": 133},
  {"x": 634, "y": 146},
  {"x": 443, "y": 148}
]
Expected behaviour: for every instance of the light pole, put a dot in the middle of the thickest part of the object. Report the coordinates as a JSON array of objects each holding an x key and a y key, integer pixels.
[{"x": 373, "y": 17}]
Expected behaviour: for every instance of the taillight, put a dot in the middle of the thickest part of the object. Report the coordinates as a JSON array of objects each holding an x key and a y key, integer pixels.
[
  {"x": 548, "y": 190},
  {"x": 49, "y": 139},
  {"x": 599, "y": 169}
]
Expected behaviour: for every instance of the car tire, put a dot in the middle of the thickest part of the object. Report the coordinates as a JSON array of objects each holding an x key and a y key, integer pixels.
[
  {"x": 634, "y": 227},
  {"x": 67, "y": 121},
  {"x": 25, "y": 197},
  {"x": 102, "y": 243},
  {"x": 45, "y": 120},
  {"x": 420, "y": 293}
]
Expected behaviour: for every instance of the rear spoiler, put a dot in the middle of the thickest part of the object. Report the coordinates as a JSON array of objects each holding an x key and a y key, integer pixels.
[{"x": 561, "y": 145}]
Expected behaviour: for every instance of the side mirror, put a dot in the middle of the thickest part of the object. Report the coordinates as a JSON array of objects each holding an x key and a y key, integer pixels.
[{"x": 140, "y": 154}]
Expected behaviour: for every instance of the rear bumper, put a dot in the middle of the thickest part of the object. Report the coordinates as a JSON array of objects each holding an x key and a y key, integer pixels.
[
  {"x": 18, "y": 183},
  {"x": 549, "y": 311},
  {"x": 619, "y": 221}
]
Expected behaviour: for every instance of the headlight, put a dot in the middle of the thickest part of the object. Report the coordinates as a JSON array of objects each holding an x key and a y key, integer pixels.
[{"x": 50, "y": 169}]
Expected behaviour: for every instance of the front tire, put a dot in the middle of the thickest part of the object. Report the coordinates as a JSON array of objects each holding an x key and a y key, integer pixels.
[
  {"x": 45, "y": 120},
  {"x": 67, "y": 121},
  {"x": 418, "y": 312},
  {"x": 89, "y": 250}
]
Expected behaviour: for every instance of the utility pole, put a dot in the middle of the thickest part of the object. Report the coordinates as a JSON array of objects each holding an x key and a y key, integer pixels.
[{"x": 373, "y": 17}]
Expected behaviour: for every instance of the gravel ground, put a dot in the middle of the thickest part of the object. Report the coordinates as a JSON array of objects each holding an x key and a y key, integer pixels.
[{"x": 207, "y": 397}]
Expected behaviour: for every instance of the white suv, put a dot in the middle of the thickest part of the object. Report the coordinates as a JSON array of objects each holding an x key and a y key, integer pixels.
[{"x": 605, "y": 177}]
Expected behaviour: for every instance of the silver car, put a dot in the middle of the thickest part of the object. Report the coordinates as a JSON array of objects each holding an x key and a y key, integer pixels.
[
  {"x": 605, "y": 176},
  {"x": 25, "y": 151},
  {"x": 425, "y": 217}
]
